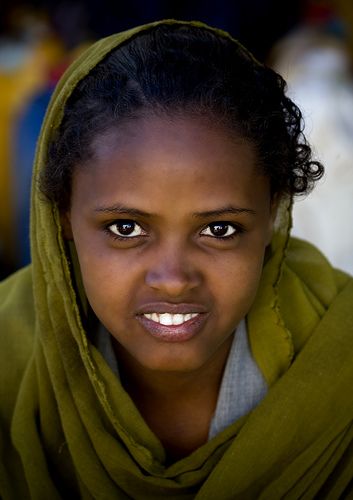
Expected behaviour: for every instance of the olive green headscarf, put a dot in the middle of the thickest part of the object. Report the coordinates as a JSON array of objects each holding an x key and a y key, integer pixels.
[{"x": 69, "y": 430}]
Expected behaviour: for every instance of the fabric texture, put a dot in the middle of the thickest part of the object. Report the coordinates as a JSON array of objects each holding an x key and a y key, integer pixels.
[
  {"x": 102, "y": 339},
  {"x": 69, "y": 430},
  {"x": 243, "y": 385}
]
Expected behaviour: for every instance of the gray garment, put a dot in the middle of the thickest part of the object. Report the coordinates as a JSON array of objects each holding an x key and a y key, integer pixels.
[
  {"x": 243, "y": 385},
  {"x": 103, "y": 341},
  {"x": 242, "y": 388}
]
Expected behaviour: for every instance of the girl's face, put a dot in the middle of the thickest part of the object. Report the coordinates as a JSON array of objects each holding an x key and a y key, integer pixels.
[{"x": 170, "y": 221}]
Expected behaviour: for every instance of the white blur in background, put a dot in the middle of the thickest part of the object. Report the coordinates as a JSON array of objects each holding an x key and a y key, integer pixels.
[{"x": 317, "y": 68}]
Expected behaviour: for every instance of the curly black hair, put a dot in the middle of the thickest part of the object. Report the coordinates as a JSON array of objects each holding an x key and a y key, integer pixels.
[{"x": 190, "y": 70}]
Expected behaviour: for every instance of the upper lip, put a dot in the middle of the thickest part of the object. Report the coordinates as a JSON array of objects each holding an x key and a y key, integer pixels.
[{"x": 168, "y": 307}]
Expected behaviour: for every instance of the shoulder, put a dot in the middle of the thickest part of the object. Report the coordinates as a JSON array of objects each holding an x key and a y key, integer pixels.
[
  {"x": 17, "y": 325},
  {"x": 316, "y": 274},
  {"x": 309, "y": 289},
  {"x": 16, "y": 301}
]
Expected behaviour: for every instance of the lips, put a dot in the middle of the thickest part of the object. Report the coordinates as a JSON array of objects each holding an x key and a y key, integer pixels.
[{"x": 172, "y": 322}]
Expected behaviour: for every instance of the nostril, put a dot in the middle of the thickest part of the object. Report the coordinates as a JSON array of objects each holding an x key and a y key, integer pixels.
[{"x": 173, "y": 282}]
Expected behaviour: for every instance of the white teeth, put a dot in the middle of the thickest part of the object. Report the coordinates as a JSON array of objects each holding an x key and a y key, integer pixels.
[
  {"x": 177, "y": 319},
  {"x": 168, "y": 319}
]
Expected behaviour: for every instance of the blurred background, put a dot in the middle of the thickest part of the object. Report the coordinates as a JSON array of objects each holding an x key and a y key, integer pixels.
[{"x": 310, "y": 42}]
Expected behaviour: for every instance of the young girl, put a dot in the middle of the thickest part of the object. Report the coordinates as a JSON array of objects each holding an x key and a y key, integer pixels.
[{"x": 169, "y": 339}]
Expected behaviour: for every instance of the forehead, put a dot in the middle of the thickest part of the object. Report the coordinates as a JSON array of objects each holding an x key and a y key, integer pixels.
[
  {"x": 147, "y": 134},
  {"x": 181, "y": 158}
]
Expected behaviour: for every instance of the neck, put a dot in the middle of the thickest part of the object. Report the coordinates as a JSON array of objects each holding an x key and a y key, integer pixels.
[
  {"x": 178, "y": 407},
  {"x": 137, "y": 379}
]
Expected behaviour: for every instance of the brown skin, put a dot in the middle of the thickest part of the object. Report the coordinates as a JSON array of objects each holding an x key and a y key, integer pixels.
[{"x": 171, "y": 170}]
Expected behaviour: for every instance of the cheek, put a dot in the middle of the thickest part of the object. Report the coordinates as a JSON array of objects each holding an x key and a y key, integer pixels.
[
  {"x": 110, "y": 295},
  {"x": 236, "y": 284},
  {"x": 242, "y": 281},
  {"x": 107, "y": 278}
]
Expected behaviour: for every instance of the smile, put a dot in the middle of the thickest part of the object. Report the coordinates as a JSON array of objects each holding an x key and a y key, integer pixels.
[
  {"x": 179, "y": 325},
  {"x": 169, "y": 319}
]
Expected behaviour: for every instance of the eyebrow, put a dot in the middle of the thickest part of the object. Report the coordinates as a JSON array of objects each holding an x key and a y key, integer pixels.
[
  {"x": 121, "y": 209},
  {"x": 220, "y": 212}
]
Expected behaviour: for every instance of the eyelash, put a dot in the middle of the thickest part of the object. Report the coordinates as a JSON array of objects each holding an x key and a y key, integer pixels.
[{"x": 237, "y": 227}]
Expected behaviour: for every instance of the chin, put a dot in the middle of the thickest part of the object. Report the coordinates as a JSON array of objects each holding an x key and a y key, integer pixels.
[{"x": 173, "y": 362}]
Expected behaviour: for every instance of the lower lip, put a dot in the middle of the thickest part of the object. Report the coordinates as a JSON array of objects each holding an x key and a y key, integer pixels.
[{"x": 174, "y": 333}]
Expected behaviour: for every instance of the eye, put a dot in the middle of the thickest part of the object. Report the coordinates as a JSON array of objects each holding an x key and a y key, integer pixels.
[
  {"x": 126, "y": 229},
  {"x": 221, "y": 230}
]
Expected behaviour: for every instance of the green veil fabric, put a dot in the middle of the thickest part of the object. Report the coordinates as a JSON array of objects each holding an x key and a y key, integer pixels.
[{"x": 69, "y": 430}]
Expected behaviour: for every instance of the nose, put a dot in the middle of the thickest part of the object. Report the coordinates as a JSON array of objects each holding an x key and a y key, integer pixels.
[{"x": 173, "y": 272}]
